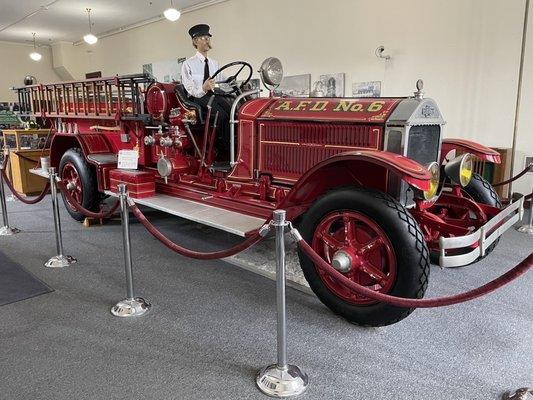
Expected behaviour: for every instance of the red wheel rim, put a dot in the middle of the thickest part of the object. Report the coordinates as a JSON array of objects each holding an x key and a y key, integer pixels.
[
  {"x": 373, "y": 261},
  {"x": 71, "y": 179}
]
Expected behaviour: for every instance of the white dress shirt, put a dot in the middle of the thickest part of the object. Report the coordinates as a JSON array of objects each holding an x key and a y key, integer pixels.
[{"x": 192, "y": 74}]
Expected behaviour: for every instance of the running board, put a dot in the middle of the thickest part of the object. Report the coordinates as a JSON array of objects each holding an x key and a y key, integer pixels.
[{"x": 229, "y": 221}]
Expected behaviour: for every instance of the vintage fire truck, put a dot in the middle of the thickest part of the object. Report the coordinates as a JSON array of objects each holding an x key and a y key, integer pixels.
[{"x": 371, "y": 183}]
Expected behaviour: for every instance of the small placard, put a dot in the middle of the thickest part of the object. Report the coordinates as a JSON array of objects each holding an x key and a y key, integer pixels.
[{"x": 128, "y": 159}]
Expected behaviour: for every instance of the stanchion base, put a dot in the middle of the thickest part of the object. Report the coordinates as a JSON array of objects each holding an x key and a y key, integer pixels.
[
  {"x": 277, "y": 382},
  {"x": 60, "y": 262},
  {"x": 527, "y": 229},
  {"x": 11, "y": 198},
  {"x": 131, "y": 307},
  {"x": 8, "y": 231}
]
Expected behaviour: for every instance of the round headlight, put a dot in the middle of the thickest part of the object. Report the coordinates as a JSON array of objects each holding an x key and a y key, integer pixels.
[
  {"x": 434, "y": 169},
  {"x": 460, "y": 169},
  {"x": 465, "y": 171},
  {"x": 271, "y": 72}
]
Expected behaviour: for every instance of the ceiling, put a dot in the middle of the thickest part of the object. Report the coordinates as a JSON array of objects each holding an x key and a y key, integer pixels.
[{"x": 66, "y": 20}]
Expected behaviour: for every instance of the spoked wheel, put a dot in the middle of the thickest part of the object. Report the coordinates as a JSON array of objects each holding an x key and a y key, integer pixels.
[
  {"x": 371, "y": 239},
  {"x": 358, "y": 247},
  {"x": 80, "y": 180},
  {"x": 72, "y": 181}
]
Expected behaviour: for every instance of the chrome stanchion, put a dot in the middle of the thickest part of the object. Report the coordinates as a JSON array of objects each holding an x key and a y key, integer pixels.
[
  {"x": 60, "y": 260},
  {"x": 10, "y": 198},
  {"x": 528, "y": 229},
  {"x": 5, "y": 230},
  {"x": 131, "y": 306},
  {"x": 281, "y": 379}
]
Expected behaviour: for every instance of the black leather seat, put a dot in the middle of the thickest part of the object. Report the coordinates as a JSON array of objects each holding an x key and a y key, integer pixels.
[{"x": 183, "y": 97}]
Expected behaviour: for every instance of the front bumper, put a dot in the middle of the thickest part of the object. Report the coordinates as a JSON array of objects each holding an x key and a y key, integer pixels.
[{"x": 480, "y": 239}]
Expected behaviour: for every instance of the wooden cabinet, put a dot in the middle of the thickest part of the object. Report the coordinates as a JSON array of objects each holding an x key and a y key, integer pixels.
[{"x": 25, "y": 148}]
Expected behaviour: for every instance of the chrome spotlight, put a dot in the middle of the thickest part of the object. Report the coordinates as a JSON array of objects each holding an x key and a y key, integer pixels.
[{"x": 271, "y": 72}]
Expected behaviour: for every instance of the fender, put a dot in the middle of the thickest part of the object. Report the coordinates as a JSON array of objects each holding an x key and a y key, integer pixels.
[
  {"x": 364, "y": 168},
  {"x": 90, "y": 143},
  {"x": 467, "y": 146}
]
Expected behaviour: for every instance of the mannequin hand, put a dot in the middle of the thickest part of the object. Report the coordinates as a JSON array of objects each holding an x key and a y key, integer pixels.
[{"x": 208, "y": 85}]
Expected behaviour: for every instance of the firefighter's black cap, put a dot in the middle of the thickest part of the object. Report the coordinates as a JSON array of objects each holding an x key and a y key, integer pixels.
[{"x": 199, "y": 30}]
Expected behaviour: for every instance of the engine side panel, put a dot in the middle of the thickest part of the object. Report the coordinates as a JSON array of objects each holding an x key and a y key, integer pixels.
[{"x": 289, "y": 149}]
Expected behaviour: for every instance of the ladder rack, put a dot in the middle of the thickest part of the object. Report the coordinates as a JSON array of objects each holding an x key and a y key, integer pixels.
[{"x": 117, "y": 97}]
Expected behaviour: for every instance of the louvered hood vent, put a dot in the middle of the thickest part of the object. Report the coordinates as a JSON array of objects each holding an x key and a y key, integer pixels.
[{"x": 288, "y": 149}]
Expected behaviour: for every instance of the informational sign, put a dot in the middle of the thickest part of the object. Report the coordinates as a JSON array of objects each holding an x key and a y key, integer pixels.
[
  {"x": 366, "y": 89},
  {"x": 128, "y": 159}
]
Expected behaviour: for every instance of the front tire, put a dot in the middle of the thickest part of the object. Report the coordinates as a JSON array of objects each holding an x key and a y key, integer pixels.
[
  {"x": 482, "y": 191},
  {"x": 80, "y": 180},
  {"x": 384, "y": 244}
]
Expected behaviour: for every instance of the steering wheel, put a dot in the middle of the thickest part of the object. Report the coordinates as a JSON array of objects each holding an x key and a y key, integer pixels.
[{"x": 232, "y": 80}]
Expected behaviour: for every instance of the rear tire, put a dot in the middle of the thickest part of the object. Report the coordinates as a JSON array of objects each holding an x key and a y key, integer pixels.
[
  {"x": 400, "y": 260},
  {"x": 80, "y": 178}
]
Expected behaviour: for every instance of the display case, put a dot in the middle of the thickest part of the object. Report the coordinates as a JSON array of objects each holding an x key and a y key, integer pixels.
[{"x": 26, "y": 147}]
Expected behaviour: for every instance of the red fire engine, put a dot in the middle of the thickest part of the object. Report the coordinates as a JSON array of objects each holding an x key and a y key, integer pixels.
[{"x": 370, "y": 182}]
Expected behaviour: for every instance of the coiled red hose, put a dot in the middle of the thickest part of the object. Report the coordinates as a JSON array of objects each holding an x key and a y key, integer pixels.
[
  {"x": 25, "y": 200},
  {"x": 502, "y": 280},
  {"x": 79, "y": 208},
  {"x": 250, "y": 241}
]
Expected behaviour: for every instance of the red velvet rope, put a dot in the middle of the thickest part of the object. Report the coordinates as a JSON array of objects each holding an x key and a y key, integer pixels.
[
  {"x": 25, "y": 200},
  {"x": 79, "y": 208},
  {"x": 525, "y": 171},
  {"x": 502, "y": 280},
  {"x": 191, "y": 253}
]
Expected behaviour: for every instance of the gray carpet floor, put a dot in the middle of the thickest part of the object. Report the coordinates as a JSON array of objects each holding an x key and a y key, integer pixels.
[{"x": 212, "y": 325}]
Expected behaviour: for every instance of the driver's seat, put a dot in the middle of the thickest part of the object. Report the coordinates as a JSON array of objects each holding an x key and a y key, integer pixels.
[{"x": 183, "y": 97}]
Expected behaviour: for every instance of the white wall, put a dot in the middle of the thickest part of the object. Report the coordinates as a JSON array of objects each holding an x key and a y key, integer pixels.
[
  {"x": 467, "y": 52},
  {"x": 16, "y": 64}
]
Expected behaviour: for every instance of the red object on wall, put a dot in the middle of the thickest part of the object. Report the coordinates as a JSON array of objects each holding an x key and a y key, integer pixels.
[{"x": 140, "y": 184}]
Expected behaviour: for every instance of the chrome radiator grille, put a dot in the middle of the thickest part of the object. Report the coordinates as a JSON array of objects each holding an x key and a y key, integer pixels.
[{"x": 423, "y": 143}]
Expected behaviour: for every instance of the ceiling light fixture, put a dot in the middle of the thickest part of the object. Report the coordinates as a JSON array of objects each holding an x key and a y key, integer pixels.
[
  {"x": 171, "y": 13},
  {"x": 35, "y": 55},
  {"x": 90, "y": 38}
]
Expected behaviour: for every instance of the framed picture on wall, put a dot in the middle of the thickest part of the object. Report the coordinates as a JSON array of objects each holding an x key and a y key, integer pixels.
[
  {"x": 294, "y": 86},
  {"x": 366, "y": 89},
  {"x": 329, "y": 85},
  {"x": 96, "y": 74}
]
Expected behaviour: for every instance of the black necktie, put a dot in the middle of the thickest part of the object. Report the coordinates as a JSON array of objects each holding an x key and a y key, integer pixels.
[{"x": 206, "y": 70}]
